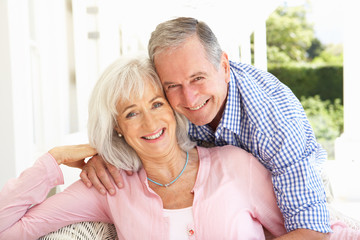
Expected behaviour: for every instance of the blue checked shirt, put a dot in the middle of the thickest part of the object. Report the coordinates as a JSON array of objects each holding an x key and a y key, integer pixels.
[{"x": 265, "y": 118}]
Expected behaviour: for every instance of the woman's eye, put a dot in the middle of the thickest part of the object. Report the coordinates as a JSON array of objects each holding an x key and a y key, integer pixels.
[
  {"x": 130, "y": 115},
  {"x": 158, "y": 104}
]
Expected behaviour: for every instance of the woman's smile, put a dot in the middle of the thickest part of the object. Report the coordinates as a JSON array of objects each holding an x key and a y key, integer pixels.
[{"x": 155, "y": 136}]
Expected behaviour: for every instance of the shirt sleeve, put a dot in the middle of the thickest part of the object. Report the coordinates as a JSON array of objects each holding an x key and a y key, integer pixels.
[
  {"x": 24, "y": 212},
  {"x": 298, "y": 186}
]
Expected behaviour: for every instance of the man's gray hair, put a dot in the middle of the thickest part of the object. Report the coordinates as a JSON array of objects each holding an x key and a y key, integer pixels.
[
  {"x": 173, "y": 33},
  {"x": 123, "y": 79}
]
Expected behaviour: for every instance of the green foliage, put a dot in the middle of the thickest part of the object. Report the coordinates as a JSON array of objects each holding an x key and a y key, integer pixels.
[
  {"x": 326, "y": 119},
  {"x": 309, "y": 80},
  {"x": 288, "y": 34},
  {"x": 332, "y": 54},
  {"x": 291, "y": 39},
  {"x": 315, "y": 49},
  {"x": 275, "y": 55}
]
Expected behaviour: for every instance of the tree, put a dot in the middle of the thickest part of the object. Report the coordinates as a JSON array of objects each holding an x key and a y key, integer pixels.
[
  {"x": 315, "y": 49},
  {"x": 331, "y": 54},
  {"x": 289, "y": 35}
]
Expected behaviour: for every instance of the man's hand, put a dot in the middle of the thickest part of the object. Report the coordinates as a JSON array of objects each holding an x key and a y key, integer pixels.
[
  {"x": 304, "y": 234},
  {"x": 94, "y": 174}
]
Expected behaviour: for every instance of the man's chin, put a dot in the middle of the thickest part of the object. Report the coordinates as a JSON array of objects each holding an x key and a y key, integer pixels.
[{"x": 198, "y": 120}]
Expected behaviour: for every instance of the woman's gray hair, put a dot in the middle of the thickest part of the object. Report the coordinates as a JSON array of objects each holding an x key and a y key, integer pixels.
[
  {"x": 123, "y": 79},
  {"x": 173, "y": 33}
]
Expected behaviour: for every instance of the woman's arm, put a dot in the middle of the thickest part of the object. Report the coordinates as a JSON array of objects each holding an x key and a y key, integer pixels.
[
  {"x": 18, "y": 219},
  {"x": 72, "y": 154},
  {"x": 30, "y": 188},
  {"x": 263, "y": 198}
]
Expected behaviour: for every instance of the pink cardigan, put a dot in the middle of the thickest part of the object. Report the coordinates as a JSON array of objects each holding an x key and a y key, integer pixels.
[{"x": 233, "y": 198}]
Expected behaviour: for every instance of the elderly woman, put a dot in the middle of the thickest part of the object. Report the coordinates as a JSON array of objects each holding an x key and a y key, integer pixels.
[{"x": 177, "y": 192}]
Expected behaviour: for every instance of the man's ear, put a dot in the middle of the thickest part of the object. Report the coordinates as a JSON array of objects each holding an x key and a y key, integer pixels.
[{"x": 226, "y": 66}]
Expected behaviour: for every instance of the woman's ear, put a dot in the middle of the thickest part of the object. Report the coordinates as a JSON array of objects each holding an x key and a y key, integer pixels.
[{"x": 118, "y": 131}]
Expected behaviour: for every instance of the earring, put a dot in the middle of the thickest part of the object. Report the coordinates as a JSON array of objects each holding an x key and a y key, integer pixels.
[{"x": 119, "y": 135}]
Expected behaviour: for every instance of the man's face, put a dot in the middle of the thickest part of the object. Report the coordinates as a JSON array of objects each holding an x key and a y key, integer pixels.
[{"x": 193, "y": 86}]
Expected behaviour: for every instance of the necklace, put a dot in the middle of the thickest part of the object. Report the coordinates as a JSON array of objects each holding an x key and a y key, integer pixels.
[{"x": 168, "y": 184}]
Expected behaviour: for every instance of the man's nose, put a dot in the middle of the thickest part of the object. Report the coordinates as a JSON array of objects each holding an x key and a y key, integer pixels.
[{"x": 190, "y": 96}]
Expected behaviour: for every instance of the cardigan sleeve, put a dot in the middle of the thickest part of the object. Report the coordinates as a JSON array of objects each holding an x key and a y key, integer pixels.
[
  {"x": 24, "y": 212},
  {"x": 264, "y": 200}
]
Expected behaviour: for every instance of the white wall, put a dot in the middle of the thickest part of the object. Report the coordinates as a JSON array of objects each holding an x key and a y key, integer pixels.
[
  {"x": 34, "y": 81},
  {"x": 16, "y": 141},
  {"x": 7, "y": 138},
  {"x": 346, "y": 147}
]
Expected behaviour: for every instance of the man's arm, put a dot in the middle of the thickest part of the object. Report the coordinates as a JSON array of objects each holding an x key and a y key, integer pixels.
[
  {"x": 267, "y": 211},
  {"x": 298, "y": 234},
  {"x": 298, "y": 186}
]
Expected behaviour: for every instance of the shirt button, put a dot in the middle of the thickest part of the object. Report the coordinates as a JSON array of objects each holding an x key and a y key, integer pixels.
[{"x": 191, "y": 232}]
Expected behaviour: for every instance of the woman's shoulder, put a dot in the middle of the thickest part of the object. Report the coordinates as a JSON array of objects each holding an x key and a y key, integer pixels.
[
  {"x": 228, "y": 156},
  {"x": 227, "y": 151}
]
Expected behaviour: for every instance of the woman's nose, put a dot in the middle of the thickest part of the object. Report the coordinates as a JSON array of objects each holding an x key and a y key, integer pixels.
[{"x": 149, "y": 121}]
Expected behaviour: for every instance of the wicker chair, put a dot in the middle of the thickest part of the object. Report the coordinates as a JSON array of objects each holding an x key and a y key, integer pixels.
[
  {"x": 336, "y": 215},
  {"x": 84, "y": 231}
]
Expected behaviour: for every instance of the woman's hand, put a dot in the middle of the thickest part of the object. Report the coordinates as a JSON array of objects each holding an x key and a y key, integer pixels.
[{"x": 73, "y": 155}]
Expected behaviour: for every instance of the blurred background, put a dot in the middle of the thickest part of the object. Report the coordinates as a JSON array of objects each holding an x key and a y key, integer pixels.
[{"x": 52, "y": 53}]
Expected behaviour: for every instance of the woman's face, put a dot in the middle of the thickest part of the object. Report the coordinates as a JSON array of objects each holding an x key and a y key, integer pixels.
[{"x": 148, "y": 124}]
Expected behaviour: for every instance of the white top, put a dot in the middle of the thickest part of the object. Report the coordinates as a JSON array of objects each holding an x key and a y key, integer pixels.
[{"x": 179, "y": 221}]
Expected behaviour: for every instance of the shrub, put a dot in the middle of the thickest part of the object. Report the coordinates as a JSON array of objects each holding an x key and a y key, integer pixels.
[
  {"x": 309, "y": 80},
  {"x": 326, "y": 119}
]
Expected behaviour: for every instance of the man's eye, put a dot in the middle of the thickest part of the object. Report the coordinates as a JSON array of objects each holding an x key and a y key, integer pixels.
[
  {"x": 172, "y": 86},
  {"x": 198, "y": 78}
]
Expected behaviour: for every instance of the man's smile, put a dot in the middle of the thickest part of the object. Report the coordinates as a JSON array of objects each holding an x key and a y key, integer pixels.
[{"x": 199, "y": 106}]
